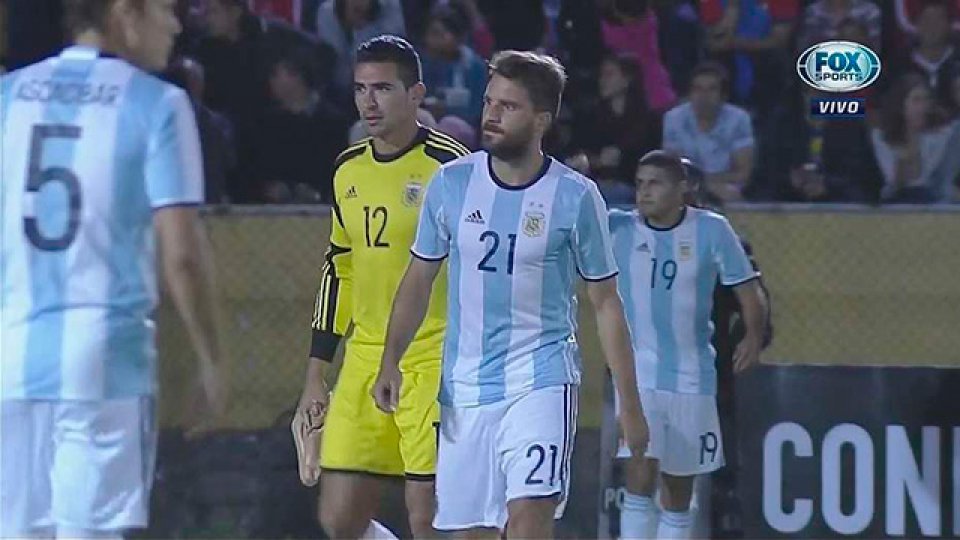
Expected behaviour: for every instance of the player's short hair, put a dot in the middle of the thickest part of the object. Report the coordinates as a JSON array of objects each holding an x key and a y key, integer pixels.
[
  {"x": 392, "y": 50},
  {"x": 713, "y": 69},
  {"x": 80, "y": 15},
  {"x": 543, "y": 77},
  {"x": 667, "y": 161}
]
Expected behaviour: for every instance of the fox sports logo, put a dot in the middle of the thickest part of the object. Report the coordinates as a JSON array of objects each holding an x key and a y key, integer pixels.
[{"x": 838, "y": 66}]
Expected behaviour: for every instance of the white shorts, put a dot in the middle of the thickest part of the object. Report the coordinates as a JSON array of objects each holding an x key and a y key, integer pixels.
[
  {"x": 513, "y": 449},
  {"x": 77, "y": 464},
  {"x": 684, "y": 432}
]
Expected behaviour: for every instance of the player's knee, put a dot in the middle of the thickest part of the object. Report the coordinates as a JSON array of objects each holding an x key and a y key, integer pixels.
[
  {"x": 531, "y": 516},
  {"x": 676, "y": 492},
  {"x": 641, "y": 477},
  {"x": 338, "y": 522}
]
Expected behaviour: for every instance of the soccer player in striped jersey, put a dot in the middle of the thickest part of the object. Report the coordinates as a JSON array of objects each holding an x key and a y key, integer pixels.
[
  {"x": 518, "y": 227},
  {"x": 670, "y": 256},
  {"x": 97, "y": 158},
  {"x": 378, "y": 189}
]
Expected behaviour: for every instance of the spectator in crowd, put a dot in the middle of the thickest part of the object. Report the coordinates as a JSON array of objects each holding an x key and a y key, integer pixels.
[
  {"x": 630, "y": 26},
  {"x": 949, "y": 92},
  {"x": 237, "y": 54},
  {"x": 681, "y": 38},
  {"x": 934, "y": 52},
  {"x": 520, "y": 25},
  {"x": 822, "y": 19},
  {"x": 807, "y": 159},
  {"x": 915, "y": 149},
  {"x": 416, "y": 15},
  {"x": 713, "y": 133},
  {"x": 900, "y": 21},
  {"x": 455, "y": 76},
  {"x": 345, "y": 24},
  {"x": 216, "y": 132},
  {"x": 301, "y": 135},
  {"x": 619, "y": 128},
  {"x": 754, "y": 38}
]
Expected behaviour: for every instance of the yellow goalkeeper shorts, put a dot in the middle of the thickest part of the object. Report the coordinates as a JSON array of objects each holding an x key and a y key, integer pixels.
[{"x": 359, "y": 437}]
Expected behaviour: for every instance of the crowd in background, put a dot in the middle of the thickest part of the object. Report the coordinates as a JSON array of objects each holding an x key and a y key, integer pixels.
[{"x": 714, "y": 80}]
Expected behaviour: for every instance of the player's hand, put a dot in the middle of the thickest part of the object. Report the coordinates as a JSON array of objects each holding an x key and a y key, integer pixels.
[
  {"x": 307, "y": 425},
  {"x": 635, "y": 431},
  {"x": 386, "y": 391},
  {"x": 747, "y": 354}
]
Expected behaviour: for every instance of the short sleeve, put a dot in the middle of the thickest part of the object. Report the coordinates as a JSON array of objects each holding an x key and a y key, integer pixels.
[
  {"x": 592, "y": 246},
  {"x": 735, "y": 266},
  {"x": 433, "y": 238},
  {"x": 174, "y": 165},
  {"x": 742, "y": 136}
]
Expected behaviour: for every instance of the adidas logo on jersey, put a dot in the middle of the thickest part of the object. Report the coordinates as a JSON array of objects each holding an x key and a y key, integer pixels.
[
  {"x": 644, "y": 248},
  {"x": 475, "y": 217},
  {"x": 352, "y": 192}
]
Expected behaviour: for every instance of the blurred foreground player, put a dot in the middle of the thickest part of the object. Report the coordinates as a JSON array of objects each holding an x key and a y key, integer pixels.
[
  {"x": 378, "y": 187},
  {"x": 97, "y": 158},
  {"x": 518, "y": 227},
  {"x": 671, "y": 255},
  {"x": 728, "y": 330}
]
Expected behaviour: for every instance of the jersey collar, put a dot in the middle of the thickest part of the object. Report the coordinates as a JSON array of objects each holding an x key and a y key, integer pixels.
[
  {"x": 547, "y": 161},
  {"x": 420, "y": 138},
  {"x": 683, "y": 216}
]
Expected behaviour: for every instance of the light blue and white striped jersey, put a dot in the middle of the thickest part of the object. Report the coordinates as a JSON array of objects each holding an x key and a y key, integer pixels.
[
  {"x": 514, "y": 256},
  {"x": 90, "y": 147},
  {"x": 666, "y": 282}
]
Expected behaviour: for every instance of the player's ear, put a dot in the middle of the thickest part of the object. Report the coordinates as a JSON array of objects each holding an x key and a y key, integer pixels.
[
  {"x": 417, "y": 92},
  {"x": 542, "y": 121}
]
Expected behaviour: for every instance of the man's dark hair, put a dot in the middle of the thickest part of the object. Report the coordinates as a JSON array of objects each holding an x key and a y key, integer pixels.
[
  {"x": 392, "y": 50},
  {"x": 80, "y": 15},
  {"x": 714, "y": 69},
  {"x": 664, "y": 160},
  {"x": 541, "y": 75}
]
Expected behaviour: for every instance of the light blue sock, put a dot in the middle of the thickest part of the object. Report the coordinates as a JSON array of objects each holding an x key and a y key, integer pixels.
[
  {"x": 674, "y": 525},
  {"x": 638, "y": 518}
]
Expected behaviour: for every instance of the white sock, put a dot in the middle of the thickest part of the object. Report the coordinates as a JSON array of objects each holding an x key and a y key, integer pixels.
[
  {"x": 77, "y": 533},
  {"x": 638, "y": 517},
  {"x": 674, "y": 524},
  {"x": 376, "y": 531}
]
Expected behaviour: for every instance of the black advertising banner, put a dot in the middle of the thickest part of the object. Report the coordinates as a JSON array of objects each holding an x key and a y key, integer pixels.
[{"x": 849, "y": 451}]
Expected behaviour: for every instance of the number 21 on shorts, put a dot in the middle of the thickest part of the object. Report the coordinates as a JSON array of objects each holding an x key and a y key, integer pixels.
[{"x": 538, "y": 456}]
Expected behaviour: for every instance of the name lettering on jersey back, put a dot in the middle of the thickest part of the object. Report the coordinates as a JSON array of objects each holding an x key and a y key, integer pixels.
[{"x": 68, "y": 92}]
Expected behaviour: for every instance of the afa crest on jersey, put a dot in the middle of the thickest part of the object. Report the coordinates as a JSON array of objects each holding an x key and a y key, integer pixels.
[
  {"x": 412, "y": 194},
  {"x": 686, "y": 250},
  {"x": 534, "y": 223}
]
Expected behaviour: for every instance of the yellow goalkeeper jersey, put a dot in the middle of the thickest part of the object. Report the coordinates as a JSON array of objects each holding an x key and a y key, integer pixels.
[{"x": 376, "y": 209}]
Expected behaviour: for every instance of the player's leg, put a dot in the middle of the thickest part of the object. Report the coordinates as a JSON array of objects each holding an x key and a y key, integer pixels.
[
  {"x": 418, "y": 420},
  {"x": 676, "y": 519},
  {"x": 102, "y": 466},
  {"x": 536, "y": 442},
  {"x": 639, "y": 517},
  {"x": 359, "y": 454},
  {"x": 26, "y": 456},
  {"x": 471, "y": 486},
  {"x": 692, "y": 446}
]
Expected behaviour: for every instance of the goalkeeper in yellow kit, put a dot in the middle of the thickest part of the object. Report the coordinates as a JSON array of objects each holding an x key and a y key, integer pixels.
[{"x": 379, "y": 184}]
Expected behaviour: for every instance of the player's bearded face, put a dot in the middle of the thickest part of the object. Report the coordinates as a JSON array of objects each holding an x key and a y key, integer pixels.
[
  {"x": 148, "y": 32},
  {"x": 509, "y": 119},
  {"x": 505, "y": 144}
]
